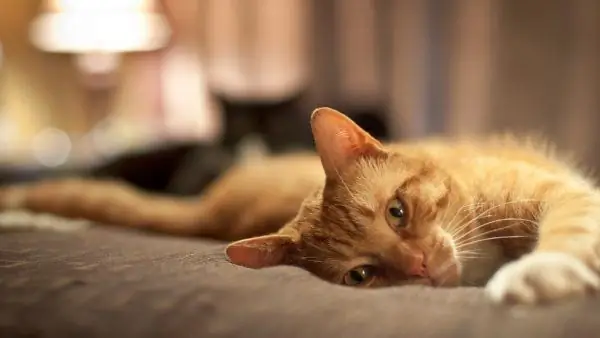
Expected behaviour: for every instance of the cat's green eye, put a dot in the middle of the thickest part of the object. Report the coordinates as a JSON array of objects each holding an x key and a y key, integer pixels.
[
  {"x": 359, "y": 276},
  {"x": 396, "y": 213}
]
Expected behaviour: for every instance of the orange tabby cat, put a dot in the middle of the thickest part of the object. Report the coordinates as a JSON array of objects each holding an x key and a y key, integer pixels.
[{"x": 439, "y": 213}]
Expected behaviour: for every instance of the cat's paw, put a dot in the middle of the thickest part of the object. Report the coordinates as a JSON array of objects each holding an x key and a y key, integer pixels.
[{"x": 540, "y": 278}]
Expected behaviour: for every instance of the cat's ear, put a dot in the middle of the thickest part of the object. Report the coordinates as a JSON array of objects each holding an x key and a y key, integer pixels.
[
  {"x": 340, "y": 141},
  {"x": 260, "y": 252}
]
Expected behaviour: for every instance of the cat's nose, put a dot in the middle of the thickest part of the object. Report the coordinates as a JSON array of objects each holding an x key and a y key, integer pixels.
[{"x": 417, "y": 266}]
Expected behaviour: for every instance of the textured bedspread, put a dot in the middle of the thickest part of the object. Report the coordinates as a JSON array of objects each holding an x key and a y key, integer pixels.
[{"x": 107, "y": 282}]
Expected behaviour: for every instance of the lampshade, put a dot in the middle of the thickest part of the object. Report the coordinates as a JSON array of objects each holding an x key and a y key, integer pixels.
[{"x": 109, "y": 26}]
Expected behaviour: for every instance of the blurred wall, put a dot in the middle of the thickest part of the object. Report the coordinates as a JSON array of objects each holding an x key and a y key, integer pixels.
[
  {"x": 466, "y": 66},
  {"x": 451, "y": 67}
]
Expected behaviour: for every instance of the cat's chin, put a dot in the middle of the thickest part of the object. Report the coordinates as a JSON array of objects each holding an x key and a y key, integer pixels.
[{"x": 448, "y": 275}]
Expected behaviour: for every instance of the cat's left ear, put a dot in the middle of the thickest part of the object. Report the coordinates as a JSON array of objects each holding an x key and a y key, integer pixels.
[
  {"x": 340, "y": 141},
  {"x": 260, "y": 252}
]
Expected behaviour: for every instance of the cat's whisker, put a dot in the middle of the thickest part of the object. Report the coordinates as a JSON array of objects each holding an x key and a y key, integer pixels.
[
  {"x": 466, "y": 257},
  {"x": 448, "y": 208},
  {"x": 464, "y": 260},
  {"x": 460, "y": 225},
  {"x": 463, "y": 207},
  {"x": 469, "y": 253},
  {"x": 483, "y": 213},
  {"x": 459, "y": 228},
  {"x": 470, "y": 250},
  {"x": 515, "y": 219},
  {"x": 484, "y": 234},
  {"x": 451, "y": 223},
  {"x": 488, "y": 239}
]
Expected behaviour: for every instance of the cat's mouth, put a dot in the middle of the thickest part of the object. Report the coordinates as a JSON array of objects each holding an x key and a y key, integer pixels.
[
  {"x": 446, "y": 275},
  {"x": 444, "y": 267},
  {"x": 446, "y": 278}
]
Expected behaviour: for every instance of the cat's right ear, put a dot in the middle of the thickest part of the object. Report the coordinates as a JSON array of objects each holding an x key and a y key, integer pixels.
[
  {"x": 340, "y": 141},
  {"x": 260, "y": 252}
]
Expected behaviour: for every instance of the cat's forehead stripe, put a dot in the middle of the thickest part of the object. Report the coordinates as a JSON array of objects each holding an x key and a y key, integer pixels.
[
  {"x": 377, "y": 177},
  {"x": 327, "y": 241},
  {"x": 348, "y": 218}
]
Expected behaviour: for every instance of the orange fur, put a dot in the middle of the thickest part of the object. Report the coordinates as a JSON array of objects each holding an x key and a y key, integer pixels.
[
  {"x": 502, "y": 211},
  {"x": 472, "y": 209}
]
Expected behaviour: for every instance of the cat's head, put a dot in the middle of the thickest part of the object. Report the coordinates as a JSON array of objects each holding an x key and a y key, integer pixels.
[{"x": 382, "y": 217}]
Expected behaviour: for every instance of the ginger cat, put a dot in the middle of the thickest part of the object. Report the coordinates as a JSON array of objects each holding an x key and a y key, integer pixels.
[{"x": 507, "y": 214}]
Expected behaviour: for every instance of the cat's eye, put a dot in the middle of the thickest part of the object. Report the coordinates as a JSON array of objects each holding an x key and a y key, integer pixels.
[
  {"x": 359, "y": 276},
  {"x": 396, "y": 213}
]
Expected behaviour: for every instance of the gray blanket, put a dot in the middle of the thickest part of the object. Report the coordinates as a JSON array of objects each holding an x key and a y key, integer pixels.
[{"x": 107, "y": 282}]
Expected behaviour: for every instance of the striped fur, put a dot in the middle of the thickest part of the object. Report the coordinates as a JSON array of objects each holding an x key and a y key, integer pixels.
[{"x": 504, "y": 211}]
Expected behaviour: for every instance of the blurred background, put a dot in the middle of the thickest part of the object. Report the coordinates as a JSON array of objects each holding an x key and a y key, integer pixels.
[{"x": 83, "y": 81}]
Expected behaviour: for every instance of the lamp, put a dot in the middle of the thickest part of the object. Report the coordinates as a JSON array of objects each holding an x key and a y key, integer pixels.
[
  {"x": 97, "y": 33},
  {"x": 99, "y": 26}
]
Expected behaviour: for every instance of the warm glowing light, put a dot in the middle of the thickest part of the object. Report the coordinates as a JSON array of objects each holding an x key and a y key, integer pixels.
[
  {"x": 51, "y": 147},
  {"x": 184, "y": 76},
  {"x": 99, "y": 5},
  {"x": 82, "y": 26},
  {"x": 98, "y": 63},
  {"x": 8, "y": 133}
]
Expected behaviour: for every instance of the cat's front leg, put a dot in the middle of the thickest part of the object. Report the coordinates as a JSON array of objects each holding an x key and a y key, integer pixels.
[
  {"x": 566, "y": 261},
  {"x": 542, "y": 277}
]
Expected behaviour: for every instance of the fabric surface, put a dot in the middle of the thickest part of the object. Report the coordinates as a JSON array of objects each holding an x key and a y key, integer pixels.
[{"x": 107, "y": 282}]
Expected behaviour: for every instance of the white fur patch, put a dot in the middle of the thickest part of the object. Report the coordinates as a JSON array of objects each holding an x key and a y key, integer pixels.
[
  {"x": 542, "y": 277},
  {"x": 17, "y": 220}
]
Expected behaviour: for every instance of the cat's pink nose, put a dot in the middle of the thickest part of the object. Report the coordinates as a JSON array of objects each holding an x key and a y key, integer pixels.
[{"x": 417, "y": 266}]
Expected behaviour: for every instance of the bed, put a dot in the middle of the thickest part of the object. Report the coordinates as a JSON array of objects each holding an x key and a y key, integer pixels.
[{"x": 109, "y": 282}]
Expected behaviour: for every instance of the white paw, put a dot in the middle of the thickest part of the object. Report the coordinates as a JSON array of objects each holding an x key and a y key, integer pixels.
[{"x": 542, "y": 277}]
